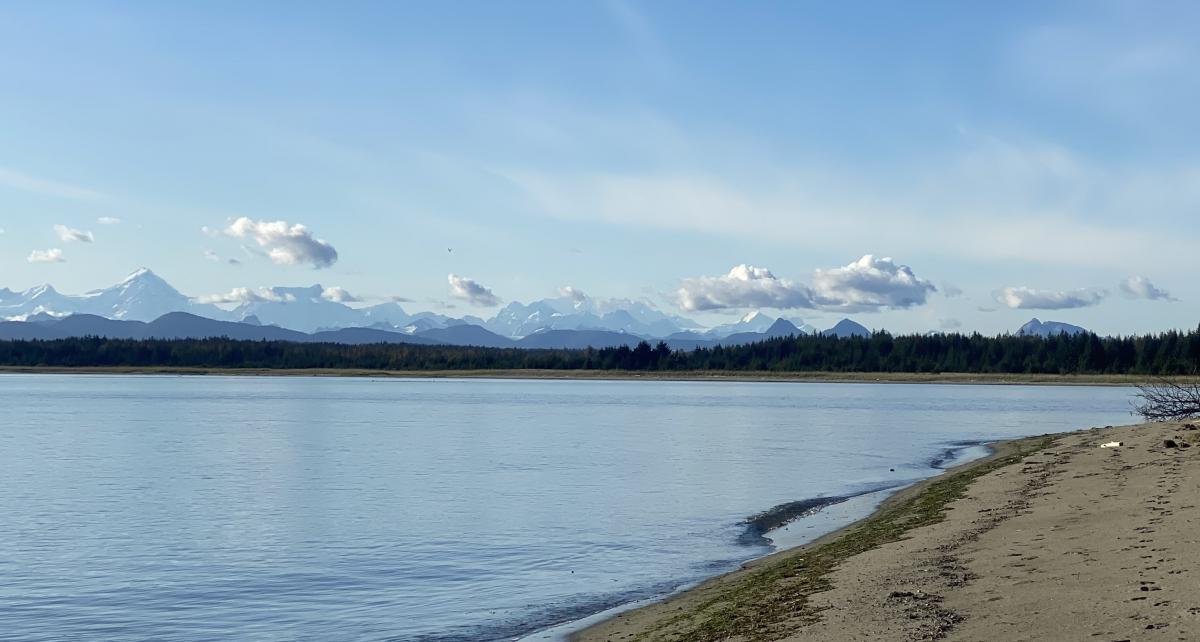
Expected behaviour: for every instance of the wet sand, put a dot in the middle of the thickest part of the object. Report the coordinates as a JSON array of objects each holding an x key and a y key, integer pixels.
[{"x": 1048, "y": 539}]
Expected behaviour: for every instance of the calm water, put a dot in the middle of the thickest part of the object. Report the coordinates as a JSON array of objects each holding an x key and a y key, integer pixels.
[{"x": 135, "y": 508}]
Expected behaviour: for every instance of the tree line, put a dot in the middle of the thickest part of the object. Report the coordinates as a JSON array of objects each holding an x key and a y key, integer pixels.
[{"x": 1169, "y": 353}]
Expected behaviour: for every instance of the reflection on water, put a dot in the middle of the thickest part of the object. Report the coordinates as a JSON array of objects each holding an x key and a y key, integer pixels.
[{"x": 356, "y": 509}]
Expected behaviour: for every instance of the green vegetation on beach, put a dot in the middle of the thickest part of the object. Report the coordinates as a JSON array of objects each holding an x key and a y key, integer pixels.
[{"x": 770, "y": 599}]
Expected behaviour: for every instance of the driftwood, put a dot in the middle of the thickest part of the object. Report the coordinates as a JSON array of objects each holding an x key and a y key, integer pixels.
[{"x": 1168, "y": 401}]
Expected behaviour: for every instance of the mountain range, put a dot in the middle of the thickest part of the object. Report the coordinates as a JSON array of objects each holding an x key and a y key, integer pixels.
[
  {"x": 143, "y": 305},
  {"x": 145, "y": 296},
  {"x": 183, "y": 325}
]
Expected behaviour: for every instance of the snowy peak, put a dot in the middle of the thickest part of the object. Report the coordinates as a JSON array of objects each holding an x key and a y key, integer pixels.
[
  {"x": 754, "y": 322},
  {"x": 142, "y": 274},
  {"x": 751, "y": 316},
  {"x": 1037, "y": 328},
  {"x": 141, "y": 296}
]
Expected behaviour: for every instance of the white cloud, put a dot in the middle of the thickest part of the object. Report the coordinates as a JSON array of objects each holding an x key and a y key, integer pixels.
[
  {"x": 745, "y": 286},
  {"x": 471, "y": 291},
  {"x": 68, "y": 234},
  {"x": 108, "y": 220},
  {"x": 338, "y": 295},
  {"x": 247, "y": 295},
  {"x": 572, "y": 293},
  {"x": 1139, "y": 287},
  {"x": 285, "y": 243},
  {"x": 1024, "y": 298},
  {"x": 53, "y": 255},
  {"x": 950, "y": 324},
  {"x": 869, "y": 285}
]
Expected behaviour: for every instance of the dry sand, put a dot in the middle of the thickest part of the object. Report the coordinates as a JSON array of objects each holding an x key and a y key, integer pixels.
[{"x": 1072, "y": 542}]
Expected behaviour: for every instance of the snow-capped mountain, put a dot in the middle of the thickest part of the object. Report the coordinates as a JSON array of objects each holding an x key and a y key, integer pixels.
[
  {"x": 144, "y": 296},
  {"x": 1038, "y": 328},
  {"x": 584, "y": 313},
  {"x": 303, "y": 309},
  {"x": 754, "y": 321},
  {"x": 389, "y": 314},
  {"x": 141, "y": 296}
]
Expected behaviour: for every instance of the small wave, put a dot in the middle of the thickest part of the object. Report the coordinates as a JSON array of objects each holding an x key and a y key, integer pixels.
[
  {"x": 540, "y": 619},
  {"x": 952, "y": 451},
  {"x": 757, "y": 526}
]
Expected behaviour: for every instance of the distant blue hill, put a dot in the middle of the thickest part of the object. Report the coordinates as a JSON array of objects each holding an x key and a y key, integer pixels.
[
  {"x": 847, "y": 328},
  {"x": 183, "y": 325},
  {"x": 578, "y": 339},
  {"x": 780, "y": 328},
  {"x": 467, "y": 335}
]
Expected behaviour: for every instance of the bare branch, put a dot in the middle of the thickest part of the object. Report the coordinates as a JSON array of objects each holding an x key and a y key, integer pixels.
[{"x": 1166, "y": 400}]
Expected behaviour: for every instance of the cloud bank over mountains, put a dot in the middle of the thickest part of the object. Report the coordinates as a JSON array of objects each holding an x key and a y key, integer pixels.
[
  {"x": 869, "y": 284},
  {"x": 745, "y": 286}
]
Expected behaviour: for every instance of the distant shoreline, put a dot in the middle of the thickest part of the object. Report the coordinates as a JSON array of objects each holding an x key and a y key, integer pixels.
[{"x": 621, "y": 375}]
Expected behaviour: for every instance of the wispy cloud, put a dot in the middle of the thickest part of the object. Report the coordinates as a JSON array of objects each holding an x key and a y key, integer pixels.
[
  {"x": 641, "y": 33},
  {"x": 52, "y": 255},
  {"x": 211, "y": 255},
  {"x": 338, "y": 295},
  {"x": 68, "y": 234},
  {"x": 14, "y": 179},
  {"x": 981, "y": 197},
  {"x": 1139, "y": 287},
  {"x": 1024, "y": 298},
  {"x": 108, "y": 220},
  {"x": 247, "y": 295}
]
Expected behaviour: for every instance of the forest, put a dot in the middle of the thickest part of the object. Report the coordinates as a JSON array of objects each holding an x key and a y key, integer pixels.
[{"x": 1169, "y": 353}]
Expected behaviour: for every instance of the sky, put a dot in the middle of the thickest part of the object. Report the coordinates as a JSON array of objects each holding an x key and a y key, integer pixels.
[{"x": 915, "y": 166}]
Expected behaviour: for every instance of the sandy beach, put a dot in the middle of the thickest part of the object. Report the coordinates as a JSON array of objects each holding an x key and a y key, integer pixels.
[{"x": 1050, "y": 538}]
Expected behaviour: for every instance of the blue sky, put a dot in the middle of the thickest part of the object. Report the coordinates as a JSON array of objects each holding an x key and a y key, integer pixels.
[{"x": 624, "y": 149}]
